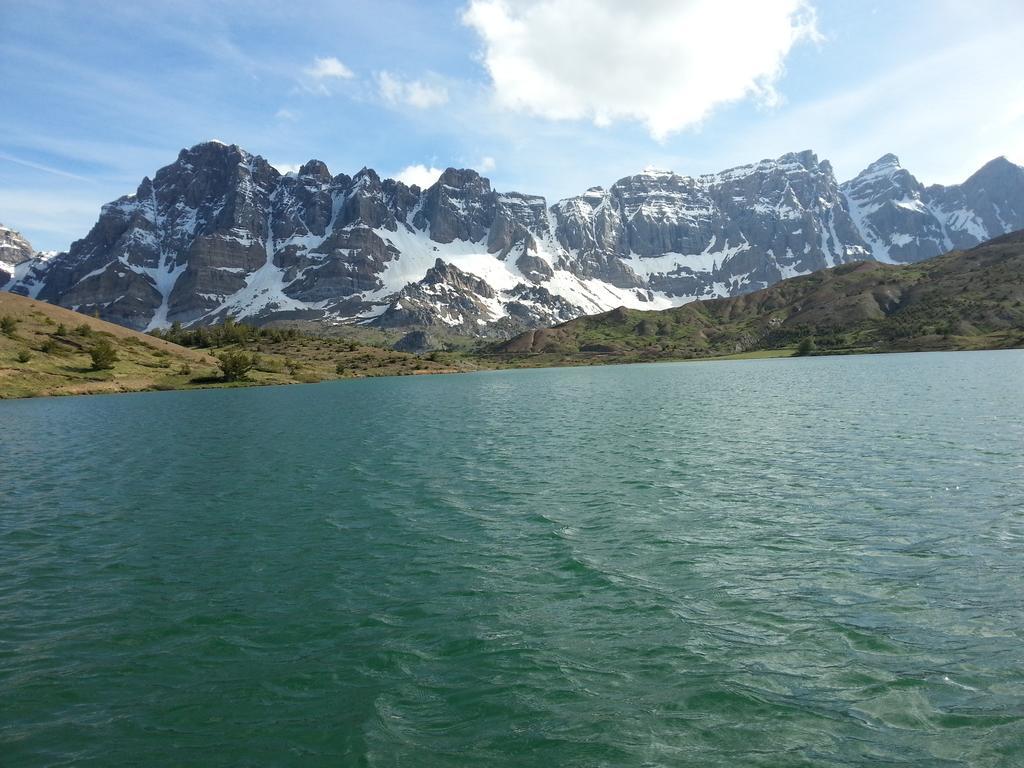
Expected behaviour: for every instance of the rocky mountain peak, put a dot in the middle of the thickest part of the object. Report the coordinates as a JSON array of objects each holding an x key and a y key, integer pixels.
[
  {"x": 15, "y": 252},
  {"x": 14, "y": 248},
  {"x": 316, "y": 169},
  {"x": 460, "y": 205},
  {"x": 887, "y": 162},
  {"x": 807, "y": 158},
  {"x": 997, "y": 173},
  {"x": 221, "y": 232}
]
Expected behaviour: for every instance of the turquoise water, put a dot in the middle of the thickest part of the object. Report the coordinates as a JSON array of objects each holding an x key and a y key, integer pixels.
[{"x": 802, "y": 562}]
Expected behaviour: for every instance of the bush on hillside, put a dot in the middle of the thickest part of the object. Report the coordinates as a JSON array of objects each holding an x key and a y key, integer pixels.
[
  {"x": 103, "y": 355},
  {"x": 236, "y": 365}
]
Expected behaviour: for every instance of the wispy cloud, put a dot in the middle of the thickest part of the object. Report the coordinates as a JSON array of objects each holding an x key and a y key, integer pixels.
[
  {"x": 419, "y": 174},
  {"x": 416, "y": 93},
  {"x": 41, "y": 167},
  {"x": 328, "y": 67},
  {"x": 287, "y": 167}
]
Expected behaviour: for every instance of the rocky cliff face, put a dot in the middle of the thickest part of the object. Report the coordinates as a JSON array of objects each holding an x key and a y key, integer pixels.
[
  {"x": 903, "y": 221},
  {"x": 719, "y": 234},
  {"x": 221, "y": 232}
]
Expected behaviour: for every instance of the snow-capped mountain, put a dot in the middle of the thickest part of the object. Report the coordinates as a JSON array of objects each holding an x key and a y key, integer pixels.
[
  {"x": 904, "y": 221},
  {"x": 221, "y": 232},
  {"x": 14, "y": 250},
  {"x": 18, "y": 258}
]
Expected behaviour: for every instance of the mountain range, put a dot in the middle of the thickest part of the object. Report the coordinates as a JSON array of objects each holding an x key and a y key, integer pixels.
[
  {"x": 220, "y": 232},
  {"x": 972, "y": 299}
]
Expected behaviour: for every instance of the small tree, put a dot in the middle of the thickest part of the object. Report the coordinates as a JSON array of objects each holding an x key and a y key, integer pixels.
[
  {"x": 236, "y": 365},
  {"x": 103, "y": 355},
  {"x": 7, "y": 325},
  {"x": 340, "y": 369},
  {"x": 806, "y": 346}
]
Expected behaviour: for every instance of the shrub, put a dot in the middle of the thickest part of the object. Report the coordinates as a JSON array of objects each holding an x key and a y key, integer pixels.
[
  {"x": 84, "y": 330},
  {"x": 340, "y": 369},
  {"x": 61, "y": 330},
  {"x": 806, "y": 346},
  {"x": 236, "y": 365},
  {"x": 24, "y": 357},
  {"x": 7, "y": 325},
  {"x": 185, "y": 369},
  {"x": 103, "y": 355}
]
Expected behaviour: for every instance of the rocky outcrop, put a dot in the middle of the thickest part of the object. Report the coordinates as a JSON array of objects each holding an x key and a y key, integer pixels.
[
  {"x": 446, "y": 296},
  {"x": 416, "y": 342},
  {"x": 14, "y": 250},
  {"x": 221, "y": 232}
]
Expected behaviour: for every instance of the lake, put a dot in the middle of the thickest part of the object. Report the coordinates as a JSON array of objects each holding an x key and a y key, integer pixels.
[{"x": 794, "y": 562}]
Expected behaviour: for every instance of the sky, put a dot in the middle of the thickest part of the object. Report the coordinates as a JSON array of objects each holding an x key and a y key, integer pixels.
[{"x": 548, "y": 97}]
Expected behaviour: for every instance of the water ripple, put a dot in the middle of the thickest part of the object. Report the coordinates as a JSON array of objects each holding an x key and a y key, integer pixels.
[{"x": 761, "y": 563}]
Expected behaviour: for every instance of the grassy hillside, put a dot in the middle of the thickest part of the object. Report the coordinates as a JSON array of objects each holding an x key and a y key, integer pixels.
[
  {"x": 963, "y": 300},
  {"x": 46, "y": 350}
]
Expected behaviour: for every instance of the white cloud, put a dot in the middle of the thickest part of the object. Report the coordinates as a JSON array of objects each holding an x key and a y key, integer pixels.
[
  {"x": 486, "y": 164},
  {"x": 285, "y": 114},
  {"x": 666, "y": 63},
  {"x": 416, "y": 93},
  {"x": 328, "y": 67},
  {"x": 419, "y": 174},
  {"x": 287, "y": 167}
]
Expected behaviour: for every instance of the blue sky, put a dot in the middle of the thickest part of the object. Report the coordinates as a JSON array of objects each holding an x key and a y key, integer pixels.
[{"x": 549, "y": 99}]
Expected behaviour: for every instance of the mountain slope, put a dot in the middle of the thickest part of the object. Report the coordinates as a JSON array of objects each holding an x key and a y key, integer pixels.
[
  {"x": 220, "y": 232},
  {"x": 965, "y": 299}
]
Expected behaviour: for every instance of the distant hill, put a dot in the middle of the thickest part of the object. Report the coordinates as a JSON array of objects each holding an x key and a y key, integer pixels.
[{"x": 969, "y": 299}]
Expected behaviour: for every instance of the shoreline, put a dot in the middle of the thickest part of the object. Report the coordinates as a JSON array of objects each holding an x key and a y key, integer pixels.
[{"x": 583, "y": 363}]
